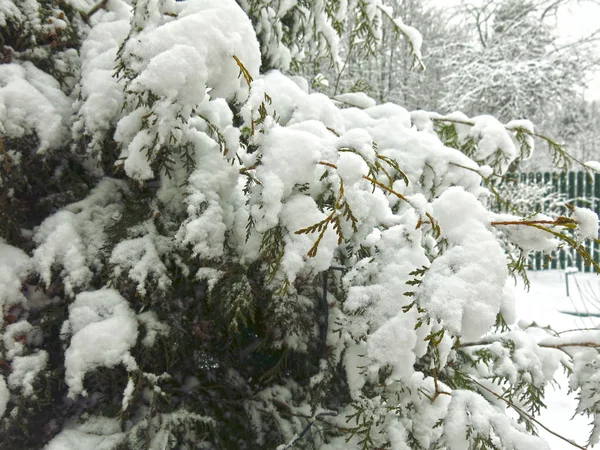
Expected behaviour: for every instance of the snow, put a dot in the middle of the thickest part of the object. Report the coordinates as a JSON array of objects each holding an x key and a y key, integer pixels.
[
  {"x": 526, "y": 237},
  {"x": 319, "y": 108},
  {"x": 290, "y": 157},
  {"x": 546, "y": 304},
  {"x": 469, "y": 411},
  {"x": 15, "y": 266},
  {"x": 394, "y": 343},
  {"x": 527, "y": 125},
  {"x": 127, "y": 394},
  {"x": 464, "y": 286},
  {"x": 351, "y": 167},
  {"x": 485, "y": 171},
  {"x": 97, "y": 432},
  {"x": 493, "y": 138},
  {"x": 594, "y": 165},
  {"x": 8, "y": 10},
  {"x": 187, "y": 83},
  {"x": 207, "y": 34},
  {"x": 140, "y": 259},
  {"x": 73, "y": 237},
  {"x": 295, "y": 168},
  {"x": 24, "y": 371},
  {"x": 31, "y": 102},
  {"x": 587, "y": 223},
  {"x": 102, "y": 330},
  {"x": 357, "y": 99},
  {"x": 15, "y": 338},
  {"x": 4, "y": 396},
  {"x": 285, "y": 95},
  {"x": 153, "y": 327},
  {"x": 209, "y": 198},
  {"x": 101, "y": 95},
  {"x": 413, "y": 35},
  {"x": 214, "y": 31}
]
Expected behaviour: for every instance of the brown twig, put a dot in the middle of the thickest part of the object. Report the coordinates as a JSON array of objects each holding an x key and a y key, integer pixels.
[
  {"x": 384, "y": 187},
  {"x": 328, "y": 164},
  {"x": 436, "y": 385},
  {"x": 527, "y": 222},
  {"x": 243, "y": 70},
  {"x": 372, "y": 180}
]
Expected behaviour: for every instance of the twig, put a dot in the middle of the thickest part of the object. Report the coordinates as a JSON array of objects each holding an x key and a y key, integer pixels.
[
  {"x": 384, "y": 187},
  {"x": 577, "y": 329},
  {"x": 540, "y": 344},
  {"x": 328, "y": 164},
  {"x": 306, "y": 429},
  {"x": 533, "y": 222},
  {"x": 372, "y": 180},
  {"x": 337, "y": 81},
  {"x": 97, "y": 7},
  {"x": 399, "y": 29},
  {"x": 533, "y": 419},
  {"x": 437, "y": 389},
  {"x": 243, "y": 70},
  {"x": 572, "y": 344}
]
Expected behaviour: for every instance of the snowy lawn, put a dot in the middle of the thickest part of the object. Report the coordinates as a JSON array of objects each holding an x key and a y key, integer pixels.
[{"x": 544, "y": 303}]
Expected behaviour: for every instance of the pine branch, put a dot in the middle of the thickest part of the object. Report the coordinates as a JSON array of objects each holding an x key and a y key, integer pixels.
[{"x": 558, "y": 153}]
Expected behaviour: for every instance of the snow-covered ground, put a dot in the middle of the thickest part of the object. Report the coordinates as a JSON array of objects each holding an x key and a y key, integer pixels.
[{"x": 543, "y": 303}]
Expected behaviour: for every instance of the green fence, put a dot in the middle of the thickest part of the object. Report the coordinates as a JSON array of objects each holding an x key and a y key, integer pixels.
[{"x": 578, "y": 189}]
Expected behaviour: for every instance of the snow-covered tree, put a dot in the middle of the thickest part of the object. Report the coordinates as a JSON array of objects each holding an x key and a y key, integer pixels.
[
  {"x": 518, "y": 66},
  {"x": 196, "y": 254},
  {"x": 579, "y": 126},
  {"x": 391, "y": 73},
  {"x": 311, "y": 32}
]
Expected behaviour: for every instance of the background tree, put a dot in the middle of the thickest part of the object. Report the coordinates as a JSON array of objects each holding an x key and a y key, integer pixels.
[
  {"x": 391, "y": 73},
  {"x": 518, "y": 67}
]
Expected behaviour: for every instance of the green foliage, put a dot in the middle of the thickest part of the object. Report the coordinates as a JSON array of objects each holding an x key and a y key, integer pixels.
[{"x": 234, "y": 294}]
